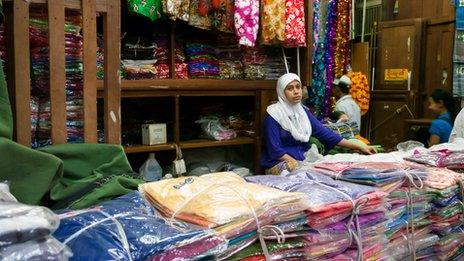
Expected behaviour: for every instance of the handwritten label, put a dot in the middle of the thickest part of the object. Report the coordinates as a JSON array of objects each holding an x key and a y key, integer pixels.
[{"x": 396, "y": 75}]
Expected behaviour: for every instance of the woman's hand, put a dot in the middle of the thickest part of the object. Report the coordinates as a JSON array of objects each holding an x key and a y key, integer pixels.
[{"x": 352, "y": 145}]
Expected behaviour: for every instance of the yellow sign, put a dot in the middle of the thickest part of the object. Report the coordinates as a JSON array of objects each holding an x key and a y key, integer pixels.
[{"x": 396, "y": 75}]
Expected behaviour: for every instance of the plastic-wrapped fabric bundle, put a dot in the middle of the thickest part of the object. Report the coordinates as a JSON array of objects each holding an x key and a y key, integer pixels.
[
  {"x": 214, "y": 130},
  {"x": 399, "y": 249},
  {"x": 379, "y": 174},
  {"x": 327, "y": 198},
  {"x": 273, "y": 248},
  {"x": 223, "y": 201},
  {"x": 129, "y": 226},
  {"x": 139, "y": 69},
  {"x": 25, "y": 231},
  {"x": 347, "y": 130},
  {"x": 253, "y": 60},
  {"x": 47, "y": 248},
  {"x": 231, "y": 69},
  {"x": 20, "y": 223},
  {"x": 442, "y": 159}
]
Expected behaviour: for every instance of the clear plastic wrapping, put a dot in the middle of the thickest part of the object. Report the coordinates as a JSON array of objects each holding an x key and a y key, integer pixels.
[
  {"x": 5, "y": 194},
  {"x": 214, "y": 130},
  {"x": 128, "y": 228},
  {"x": 217, "y": 199},
  {"x": 47, "y": 248},
  {"x": 20, "y": 223}
]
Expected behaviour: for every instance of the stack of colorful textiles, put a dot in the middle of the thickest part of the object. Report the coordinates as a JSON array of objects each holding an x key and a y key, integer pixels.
[
  {"x": 34, "y": 115},
  {"x": 447, "y": 214},
  {"x": 226, "y": 202},
  {"x": 137, "y": 59},
  {"x": 25, "y": 231},
  {"x": 100, "y": 58},
  {"x": 274, "y": 68},
  {"x": 38, "y": 30},
  {"x": 330, "y": 210},
  {"x": 181, "y": 67},
  {"x": 229, "y": 56},
  {"x": 443, "y": 159},
  {"x": 348, "y": 130},
  {"x": 254, "y": 59},
  {"x": 202, "y": 61},
  {"x": 161, "y": 55},
  {"x": 128, "y": 228}
]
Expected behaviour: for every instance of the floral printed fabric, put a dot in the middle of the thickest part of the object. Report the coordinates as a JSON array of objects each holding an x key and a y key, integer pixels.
[
  {"x": 246, "y": 21},
  {"x": 177, "y": 9},
  {"x": 295, "y": 32},
  {"x": 149, "y": 8},
  {"x": 273, "y": 21},
  {"x": 195, "y": 18}
]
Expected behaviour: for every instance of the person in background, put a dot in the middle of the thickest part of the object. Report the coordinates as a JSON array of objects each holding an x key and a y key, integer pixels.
[
  {"x": 345, "y": 103},
  {"x": 442, "y": 103},
  {"x": 458, "y": 128},
  {"x": 288, "y": 126}
]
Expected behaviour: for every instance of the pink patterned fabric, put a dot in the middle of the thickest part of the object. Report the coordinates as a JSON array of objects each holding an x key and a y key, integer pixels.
[
  {"x": 295, "y": 32},
  {"x": 247, "y": 21}
]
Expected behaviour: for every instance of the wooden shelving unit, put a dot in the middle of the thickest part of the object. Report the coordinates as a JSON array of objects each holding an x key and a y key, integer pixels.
[{"x": 190, "y": 144}]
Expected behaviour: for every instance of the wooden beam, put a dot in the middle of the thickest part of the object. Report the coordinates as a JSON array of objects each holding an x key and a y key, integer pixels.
[
  {"x": 57, "y": 71},
  {"x": 90, "y": 70},
  {"x": 70, "y": 4},
  {"x": 22, "y": 81},
  {"x": 112, "y": 82}
]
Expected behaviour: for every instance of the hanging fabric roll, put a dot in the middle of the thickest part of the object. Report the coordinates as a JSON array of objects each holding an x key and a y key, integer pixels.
[
  {"x": 149, "y": 8},
  {"x": 273, "y": 21},
  {"x": 195, "y": 19},
  {"x": 246, "y": 21},
  {"x": 295, "y": 32}
]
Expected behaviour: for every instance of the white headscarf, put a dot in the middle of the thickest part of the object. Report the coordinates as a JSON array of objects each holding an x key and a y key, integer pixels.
[{"x": 291, "y": 117}]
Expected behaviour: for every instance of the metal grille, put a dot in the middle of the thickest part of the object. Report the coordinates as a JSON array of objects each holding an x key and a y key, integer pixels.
[{"x": 373, "y": 14}]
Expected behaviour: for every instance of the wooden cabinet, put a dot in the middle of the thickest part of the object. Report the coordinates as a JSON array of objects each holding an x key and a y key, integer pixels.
[
  {"x": 438, "y": 71},
  {"x": 407, "y": 9},
  {"x": 388, "y": 112},
  {"x": 400, "y": 47}
]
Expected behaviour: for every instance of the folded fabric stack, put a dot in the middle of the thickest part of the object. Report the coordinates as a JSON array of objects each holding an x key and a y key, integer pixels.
[
  {"x": 274, "y": 68},
  {"x": 25, "y": 231},
  {"x": 137, "y": 59},
  {"x": 161, "y": 55},
  {"x": 330, "y": 213},
  {"x": 202, "y": 61},
  {"x": 225, "y": 202},
  {"x": 38, "y": 30},
  {"x": 347, "y": 130},
  {"x": 100, "y": 58},
  {"x": 214, "y": 130},
  {"x": 253, "y": 60},
  {"x": 229, "y": 56},
  {"x": 34, "y": 115},
  {"x": 447, "y": 214},
  {"x": 127, "y": 228},
  {"x": 443, "y": 159}
]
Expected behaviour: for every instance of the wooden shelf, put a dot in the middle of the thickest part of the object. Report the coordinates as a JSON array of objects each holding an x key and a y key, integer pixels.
[
  {"x": 71, "y": 4},
  {"x": 193, "y": 144},
  {"x": 190, "y": 144},
  {"x": 147, "y": 148},
  {"x": 193, "y": 84}
]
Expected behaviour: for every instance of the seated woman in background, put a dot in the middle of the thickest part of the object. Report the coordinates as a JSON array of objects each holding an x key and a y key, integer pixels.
[
  {"x": 288, "y": 126},
  {"x": 441, "y": 103}
]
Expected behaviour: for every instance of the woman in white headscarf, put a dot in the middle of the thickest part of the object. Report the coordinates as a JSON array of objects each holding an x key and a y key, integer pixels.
[{"x": 288, "y": 126}]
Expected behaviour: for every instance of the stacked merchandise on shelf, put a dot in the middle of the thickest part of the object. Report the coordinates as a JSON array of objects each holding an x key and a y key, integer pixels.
[
  {"x": 229, "y": 56},
  {"x": 128, "y": 228},
  {"x": 38, "y": 30},
  {"x": 100, "y": 58},
  {"x": 34, "y": 115},
  {"x": 161, "y": 56},
  {"x": 225, "y": 202},
  {"x": 202, "y": 61},
  {"x": 180, "y": 65},
  {"x": 25, "y": 231},
  {"x": 332, "y": 216},
  {"x": 274, "y": 66},
  {"x": 137, "y": 59},
  {"x": 253, "y": 60}
]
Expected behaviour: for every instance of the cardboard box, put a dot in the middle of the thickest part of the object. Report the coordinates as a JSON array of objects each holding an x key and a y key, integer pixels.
[{"x": 153, "y": 134}]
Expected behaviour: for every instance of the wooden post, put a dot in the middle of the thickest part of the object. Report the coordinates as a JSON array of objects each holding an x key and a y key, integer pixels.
[
  {"x": 177, "y": 119},
  {"x": 112, "y": 82},
  {"x": 57, "y": 71},
  {"x": 22, "y": 82},
  {"x": 306, "y": 76},
  {"x": 90, "y": 70}
]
